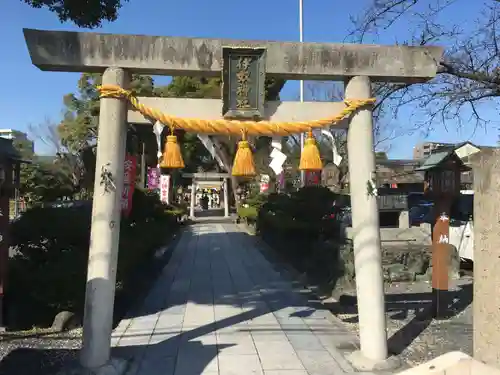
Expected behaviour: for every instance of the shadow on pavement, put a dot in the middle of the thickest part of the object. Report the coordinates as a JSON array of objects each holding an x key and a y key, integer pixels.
[
  {"x": 257, "y": 292},
  {"x": 400, "y": 305}
]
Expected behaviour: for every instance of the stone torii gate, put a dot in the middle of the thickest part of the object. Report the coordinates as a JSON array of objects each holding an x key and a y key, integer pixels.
[
  {"x": 198, "y": 179},
  {"x": 118, "y": 56}
]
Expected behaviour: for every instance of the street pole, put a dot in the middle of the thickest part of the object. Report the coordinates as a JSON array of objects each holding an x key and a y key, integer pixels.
[{"x": 301, "y": 36}]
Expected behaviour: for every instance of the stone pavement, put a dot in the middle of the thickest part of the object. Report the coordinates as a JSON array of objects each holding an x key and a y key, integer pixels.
[{"x": 220, "y": 307}]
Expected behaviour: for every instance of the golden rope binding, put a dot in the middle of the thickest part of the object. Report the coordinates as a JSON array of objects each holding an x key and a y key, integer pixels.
[
  {"x": 243, "y": 165},
  {"x": 234, "y": 127}
]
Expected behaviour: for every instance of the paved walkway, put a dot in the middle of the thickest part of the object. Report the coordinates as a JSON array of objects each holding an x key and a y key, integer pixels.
[{"x": 220, "y": 307}]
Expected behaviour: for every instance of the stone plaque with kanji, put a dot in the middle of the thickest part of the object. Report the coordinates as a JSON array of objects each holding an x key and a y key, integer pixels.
[{"x": 243, "y": 83}]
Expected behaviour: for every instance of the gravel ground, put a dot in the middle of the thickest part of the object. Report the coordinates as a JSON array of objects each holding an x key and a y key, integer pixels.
[
  {"x": 417, "y": 340},
  {"x": 414, "y": 340},
  {"x": 39, "y": 353}
]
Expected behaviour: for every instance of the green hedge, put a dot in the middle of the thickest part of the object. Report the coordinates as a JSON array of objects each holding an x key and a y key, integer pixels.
[
  {"x": 298, "y": 225},
  {"x": 48, "y": 272},
  {"x": 299, "y": 217}
]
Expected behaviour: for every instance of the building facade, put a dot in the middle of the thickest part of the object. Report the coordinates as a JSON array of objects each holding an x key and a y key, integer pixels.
[
  {"x": 13, "y": 135},
  {"x": 425, "y": 149}
]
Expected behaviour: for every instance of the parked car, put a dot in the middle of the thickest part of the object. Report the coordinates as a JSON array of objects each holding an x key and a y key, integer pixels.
[{"x": 421, "y": 214}]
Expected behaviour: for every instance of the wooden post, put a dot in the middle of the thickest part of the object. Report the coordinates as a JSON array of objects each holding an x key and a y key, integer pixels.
[
  {"x": 440, "y": 256},
  {"x": 443, "y": 184}
]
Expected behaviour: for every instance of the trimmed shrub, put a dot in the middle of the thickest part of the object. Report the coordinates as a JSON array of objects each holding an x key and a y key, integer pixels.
[
  {"x": 47, "y": 274},
  {"x": 300, "y": 227},
  {"x": 302, "y": 216}
]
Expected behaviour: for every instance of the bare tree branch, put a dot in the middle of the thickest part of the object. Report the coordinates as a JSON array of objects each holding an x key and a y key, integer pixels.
[{"x": 467, "y": 86}]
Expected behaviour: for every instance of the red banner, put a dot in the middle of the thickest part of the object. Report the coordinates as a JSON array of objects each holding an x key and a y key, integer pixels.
[
  {"x": 129, "y": 170},
  {"x": 313, "y": 178}
]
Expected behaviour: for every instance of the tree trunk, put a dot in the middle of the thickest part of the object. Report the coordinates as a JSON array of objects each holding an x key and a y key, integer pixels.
[{"x": 226, "y": 160}]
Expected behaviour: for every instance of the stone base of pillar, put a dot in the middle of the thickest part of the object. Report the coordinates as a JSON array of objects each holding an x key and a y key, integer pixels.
[
  {"x": 361, "y": 363},
  {"x": 116, "y": 366}
]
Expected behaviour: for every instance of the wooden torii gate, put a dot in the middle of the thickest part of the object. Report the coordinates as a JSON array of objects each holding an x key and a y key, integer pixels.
[{"x": 118, "y": 56}]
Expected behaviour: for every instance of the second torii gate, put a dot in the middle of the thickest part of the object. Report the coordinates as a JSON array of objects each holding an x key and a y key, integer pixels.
[
  {"x": 118, "y": 56},
  {"x": 199, "y": 179}
]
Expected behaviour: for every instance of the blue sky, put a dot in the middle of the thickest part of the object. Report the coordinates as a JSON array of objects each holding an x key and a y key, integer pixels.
[{"x": 32, "y": 96}]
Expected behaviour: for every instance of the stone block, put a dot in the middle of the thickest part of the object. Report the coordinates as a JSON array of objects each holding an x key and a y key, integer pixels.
[
  {"x": 486, "y": 307},
  {"x": 453, "y": 363}
]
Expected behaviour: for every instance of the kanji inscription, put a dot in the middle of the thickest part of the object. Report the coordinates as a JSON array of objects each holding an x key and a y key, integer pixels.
[{"x": 243, "y": 83}]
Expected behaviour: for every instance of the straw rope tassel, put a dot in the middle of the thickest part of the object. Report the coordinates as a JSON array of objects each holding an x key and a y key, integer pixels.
[
  {"x": 243, "y": 165},
  {"x": 310, "y": 159},
  {"x": 172, "y": 156}
]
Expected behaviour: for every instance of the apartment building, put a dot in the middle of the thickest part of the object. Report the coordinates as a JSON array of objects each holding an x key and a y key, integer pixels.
[{"x": 425, "y": 149}]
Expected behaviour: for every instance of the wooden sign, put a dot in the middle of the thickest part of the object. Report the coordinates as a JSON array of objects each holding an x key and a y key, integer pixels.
[{"x": 243, "y": 89}]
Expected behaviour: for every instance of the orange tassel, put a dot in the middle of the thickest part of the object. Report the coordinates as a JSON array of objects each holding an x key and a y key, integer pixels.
[
  {"x": 172, "y": 156},
  {"x": 310, "y": 159},
  {"x": 244, "y": 165}
]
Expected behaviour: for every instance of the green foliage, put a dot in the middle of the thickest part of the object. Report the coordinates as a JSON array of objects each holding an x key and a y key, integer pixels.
[
  {"x": 48, "y": 272},
  {"x": 191, "y": 87},
  {"x": 299, "y": 218},
  {"x": 41, "y": 181},
  {"x": 249, "y": 213},
  {"x": 256, "y": 200},
  {"x": 84, "y": 13},
  {"x": 195, "y": 154},
  {"x": 299, "y": 227},
  {"x": 23, "y": 145},
  {"x": 209, "y": 88},
  {"x": 44, "y": 183},
  {"x": 178, "y": 210},
  {"x": 78, "y": 129}
]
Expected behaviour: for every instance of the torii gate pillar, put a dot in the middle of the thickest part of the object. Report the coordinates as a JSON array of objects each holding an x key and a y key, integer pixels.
[
  {"x": 105, "y": 229},
  {"x": 365, "y": 223}
]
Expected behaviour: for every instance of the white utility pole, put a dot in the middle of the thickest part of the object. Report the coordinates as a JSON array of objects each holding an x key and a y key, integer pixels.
[{"x": 301, "y": 36}]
